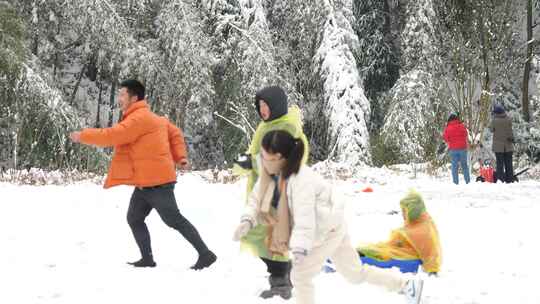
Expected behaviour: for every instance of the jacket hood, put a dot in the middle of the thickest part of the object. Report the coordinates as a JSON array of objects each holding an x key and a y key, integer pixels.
[
  {"x": 498, "y": 109},
  {"x": 413, "y": 206},
  {"x": 275, "y": 98}
]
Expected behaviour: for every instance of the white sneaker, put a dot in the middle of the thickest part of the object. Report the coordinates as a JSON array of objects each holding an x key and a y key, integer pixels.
[{"x": 413, "y": 290}]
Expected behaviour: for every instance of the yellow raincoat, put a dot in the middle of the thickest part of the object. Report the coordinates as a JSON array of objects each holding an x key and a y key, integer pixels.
[{"x": 417, "y": 239}]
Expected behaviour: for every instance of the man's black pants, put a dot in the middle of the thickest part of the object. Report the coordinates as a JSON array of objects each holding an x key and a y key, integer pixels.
[{"x": 161, "y": 198}]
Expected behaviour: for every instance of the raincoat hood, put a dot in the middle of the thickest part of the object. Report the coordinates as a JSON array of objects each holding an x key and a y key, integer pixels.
[
  {"x": 275, "y": 98},
  {"x": 413, "y": 206}
]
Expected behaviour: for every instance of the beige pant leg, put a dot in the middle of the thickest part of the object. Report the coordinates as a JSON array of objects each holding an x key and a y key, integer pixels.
[
  {"x": 302, "y": 274},
  {"x": 347, "y": 262}
]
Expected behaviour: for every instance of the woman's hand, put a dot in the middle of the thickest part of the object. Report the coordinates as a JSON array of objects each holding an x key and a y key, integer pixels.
[
  {"x": 242, "y": 230},
  {"x": 299, "y": 254}
]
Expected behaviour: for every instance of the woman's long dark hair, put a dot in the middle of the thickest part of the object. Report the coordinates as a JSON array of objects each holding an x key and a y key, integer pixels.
[{"x": 290, "y": 148}]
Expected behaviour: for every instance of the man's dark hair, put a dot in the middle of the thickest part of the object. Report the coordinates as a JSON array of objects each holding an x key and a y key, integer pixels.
[{"x": 134, "y": 88}]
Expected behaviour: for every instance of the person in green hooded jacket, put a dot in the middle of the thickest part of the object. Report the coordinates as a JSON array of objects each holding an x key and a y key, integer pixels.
[{"x": 272, "y": 107}]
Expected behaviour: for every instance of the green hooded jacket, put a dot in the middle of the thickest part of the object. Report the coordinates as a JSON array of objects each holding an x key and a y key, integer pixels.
[{"x": 290, "y": 121}]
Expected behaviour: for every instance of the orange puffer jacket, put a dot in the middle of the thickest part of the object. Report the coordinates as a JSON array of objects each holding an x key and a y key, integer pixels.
[{"x": 146, "y": 148}]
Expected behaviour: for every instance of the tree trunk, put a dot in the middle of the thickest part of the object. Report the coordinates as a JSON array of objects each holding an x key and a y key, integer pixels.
[
  {"x": 56, "y": 51},
  {"x": 527, "y": 69},
  {"x": 157, "y": 105},
  {"x": 72, "y": 99},
  {"x": 485, "y": 85},
  {"x": 150, "y": 96},
  {"x": 112, "y": 96},
  {"x": 15, "y": 145},
  {"x": 484, "y": 101},
  {"x": 35, "y": 35},
  {"x": 100, "y": 84},
  {"x": 35, "y": 45}
]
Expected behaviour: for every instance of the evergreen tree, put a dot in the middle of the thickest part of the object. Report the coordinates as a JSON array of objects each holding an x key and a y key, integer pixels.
[
  {"x": 345, "y": 105},
  {"x": 377, "y": 52},
  {"x": 411, "y": 123}
]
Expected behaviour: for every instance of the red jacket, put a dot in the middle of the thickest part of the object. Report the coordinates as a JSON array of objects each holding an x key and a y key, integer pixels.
[{"x": 455, "y": 135}]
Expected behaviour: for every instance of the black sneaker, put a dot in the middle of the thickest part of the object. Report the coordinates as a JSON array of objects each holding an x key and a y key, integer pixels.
[
  {"x": 143, "y": 263},
  {"x": 205, "y": 260}
]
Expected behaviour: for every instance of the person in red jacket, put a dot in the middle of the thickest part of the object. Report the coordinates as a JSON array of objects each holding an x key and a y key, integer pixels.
[{"x": 455, "y": 136}]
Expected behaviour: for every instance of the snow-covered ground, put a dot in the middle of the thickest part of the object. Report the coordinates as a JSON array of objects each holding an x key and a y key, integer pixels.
[{"x": 69, "y": 244}]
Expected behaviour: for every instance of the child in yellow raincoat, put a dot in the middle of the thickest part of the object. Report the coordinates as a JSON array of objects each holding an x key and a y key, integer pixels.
[
  {"x": 272, "y": 107},
  {"x": 416, "y": 242}
]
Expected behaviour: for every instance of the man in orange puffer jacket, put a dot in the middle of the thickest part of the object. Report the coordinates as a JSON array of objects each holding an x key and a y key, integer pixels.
[{"x": 146, "y": 149}]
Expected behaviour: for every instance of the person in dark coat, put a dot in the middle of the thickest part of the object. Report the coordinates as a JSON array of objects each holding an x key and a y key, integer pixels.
[
  {"x": 503, "y": 144},
  {"x": 455, "y": 136}
]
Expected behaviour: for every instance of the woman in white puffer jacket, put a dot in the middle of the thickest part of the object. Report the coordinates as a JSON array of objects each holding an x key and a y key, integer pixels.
[{"x": 308, "y": 221}]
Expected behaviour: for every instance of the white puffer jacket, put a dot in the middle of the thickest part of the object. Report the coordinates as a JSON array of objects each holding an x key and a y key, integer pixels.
[{"x": 314, "y": 208}]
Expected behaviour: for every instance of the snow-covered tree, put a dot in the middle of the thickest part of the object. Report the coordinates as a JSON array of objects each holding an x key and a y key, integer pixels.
[
  {"x": 480, "y": 64},
  {"x": 410, "y": 124},
  {"x": 12, "y": 34},
  {"x": 202, "y": 62},
  {"x": 345, "y": 105},
  {"x": 296, "y": 27},
  {"x": 187, "y": 86},
  {"x": 245, "y": 63},
  {"x": 38, "y": 123},
  {"x": 377, "y": 54},
  {"x": 12, "y": 55}
]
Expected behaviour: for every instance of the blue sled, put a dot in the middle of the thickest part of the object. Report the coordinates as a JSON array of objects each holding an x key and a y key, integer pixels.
[{"x": 405, "y": 266}]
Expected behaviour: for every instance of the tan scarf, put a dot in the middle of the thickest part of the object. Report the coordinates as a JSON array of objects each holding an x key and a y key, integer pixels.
[{"x": 279, "y": 228}]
